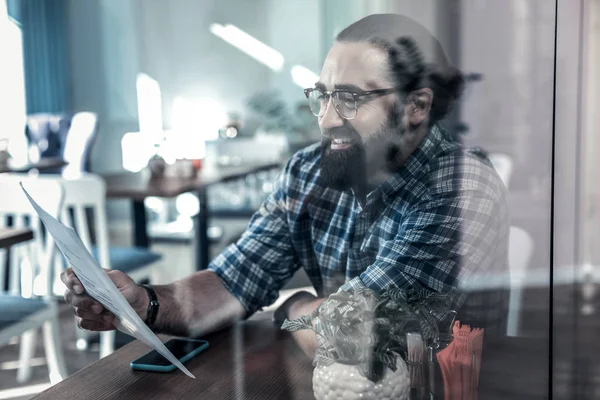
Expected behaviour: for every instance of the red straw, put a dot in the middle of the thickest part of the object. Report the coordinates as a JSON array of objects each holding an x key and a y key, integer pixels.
[{"x": 460, "y": 363}]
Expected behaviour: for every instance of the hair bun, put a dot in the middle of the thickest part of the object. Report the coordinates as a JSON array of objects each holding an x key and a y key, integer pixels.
[
  {"x": 449, "y": 79},
  {"x": 407, "y": 63}
]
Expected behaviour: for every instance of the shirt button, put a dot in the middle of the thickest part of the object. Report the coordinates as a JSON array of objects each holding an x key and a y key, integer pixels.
[{"x": 363, "y": 215}]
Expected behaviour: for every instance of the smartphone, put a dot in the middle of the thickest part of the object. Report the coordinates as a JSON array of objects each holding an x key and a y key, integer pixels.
[{"x": 182, "y": 349}]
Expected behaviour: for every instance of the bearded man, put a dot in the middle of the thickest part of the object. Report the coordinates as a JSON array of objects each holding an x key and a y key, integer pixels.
[{"x": 387, "y": 200}]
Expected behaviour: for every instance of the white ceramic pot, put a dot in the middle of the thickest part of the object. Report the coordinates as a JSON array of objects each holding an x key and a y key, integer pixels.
[{"x": 344, "y": 382}]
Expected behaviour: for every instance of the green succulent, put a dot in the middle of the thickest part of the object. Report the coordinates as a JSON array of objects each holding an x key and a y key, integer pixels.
[{"x": 368, "y": 329}]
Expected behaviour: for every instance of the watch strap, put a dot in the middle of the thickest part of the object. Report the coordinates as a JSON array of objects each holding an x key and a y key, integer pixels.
[{"x": 152, "y": 305}]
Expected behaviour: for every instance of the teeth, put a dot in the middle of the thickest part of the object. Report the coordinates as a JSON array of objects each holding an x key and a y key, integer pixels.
[{"x": 341, "y": 141}]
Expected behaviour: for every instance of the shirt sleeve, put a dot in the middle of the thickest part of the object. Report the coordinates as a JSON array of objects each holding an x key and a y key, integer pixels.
[
  {"x": 256, "y": 267},
  {"x": 441, "y": 243}
]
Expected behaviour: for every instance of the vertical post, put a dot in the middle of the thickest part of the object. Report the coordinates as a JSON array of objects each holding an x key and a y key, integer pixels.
[
  {"x": 140, "y": 221},
  {"x": 201, "y": 226}
]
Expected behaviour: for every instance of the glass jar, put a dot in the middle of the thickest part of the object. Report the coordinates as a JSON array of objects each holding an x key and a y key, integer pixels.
[{"x": 435, "y": 380}]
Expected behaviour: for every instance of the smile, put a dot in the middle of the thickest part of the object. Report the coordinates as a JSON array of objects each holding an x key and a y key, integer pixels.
[{"x": 341, "y": 143}]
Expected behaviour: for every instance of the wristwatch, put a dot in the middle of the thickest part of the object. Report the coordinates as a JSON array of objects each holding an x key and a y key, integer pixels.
[{"x": 152, "y": 306}]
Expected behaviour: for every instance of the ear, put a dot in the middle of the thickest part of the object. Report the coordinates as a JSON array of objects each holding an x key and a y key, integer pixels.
[{"x": 419, "y": 105}]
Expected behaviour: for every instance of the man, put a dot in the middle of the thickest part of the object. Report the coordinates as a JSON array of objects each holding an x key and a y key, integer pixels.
[{"x": 387, "y": 199}]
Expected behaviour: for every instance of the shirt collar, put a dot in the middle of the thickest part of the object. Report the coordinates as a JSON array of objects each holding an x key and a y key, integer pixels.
[{"x": 416, "y": 164}]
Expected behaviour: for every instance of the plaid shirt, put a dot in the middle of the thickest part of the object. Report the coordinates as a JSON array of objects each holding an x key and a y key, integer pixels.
[{"x": 437, "y": 223}]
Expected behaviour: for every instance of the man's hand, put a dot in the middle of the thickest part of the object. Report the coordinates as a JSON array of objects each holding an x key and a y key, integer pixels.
[
  {"x": 295, "y": 306},
  {"x": 301, "y": 303},
  {"x": 90, "y": 314}
]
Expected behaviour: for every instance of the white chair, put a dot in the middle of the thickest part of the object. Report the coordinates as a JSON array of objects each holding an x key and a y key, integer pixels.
[
  {"x": 86, "y": 193},
  {"x": 29, "y": 304},
  {"x": 78, "y": 142},
  {"x": 519, "y": 254},
  {"x": 503, "y": 164}
]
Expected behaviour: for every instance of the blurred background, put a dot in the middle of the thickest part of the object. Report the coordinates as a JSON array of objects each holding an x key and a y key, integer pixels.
[{"x": 132, "y": 87}]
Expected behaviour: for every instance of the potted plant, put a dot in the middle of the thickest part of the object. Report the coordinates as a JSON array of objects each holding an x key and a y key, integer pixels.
[
  {"x": 362, "y": 340},
  {"x": 299, "y": 125}
]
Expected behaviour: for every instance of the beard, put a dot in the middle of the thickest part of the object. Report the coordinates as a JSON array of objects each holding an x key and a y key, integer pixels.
[
  {"x": 351, "y": 168},
  {"x": 343, "y": 169}
]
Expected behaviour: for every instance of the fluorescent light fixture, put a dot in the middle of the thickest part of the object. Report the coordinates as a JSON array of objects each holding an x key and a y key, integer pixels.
[
  {"x": 149, "y": 106},
  {"x": 249, "y": 45},
  {"x": 304, "y": 77}
]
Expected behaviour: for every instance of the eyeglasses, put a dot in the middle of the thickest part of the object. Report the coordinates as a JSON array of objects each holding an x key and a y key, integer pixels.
[{"x": 346, "y": 102}]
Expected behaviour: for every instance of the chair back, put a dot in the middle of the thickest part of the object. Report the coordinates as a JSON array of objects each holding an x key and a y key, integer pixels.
[
  {"x": 47, "y": 133},
  {"x": 85, "y": 196},
  {"x": 84, "y": 209},
  {"x": 30, "y": 269},
  {"x": 78, "y": 143},
  {"x": 63, "y": 136}
]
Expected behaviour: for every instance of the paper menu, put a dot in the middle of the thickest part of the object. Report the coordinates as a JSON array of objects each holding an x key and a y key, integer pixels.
[{"x": 99, "y": 286}]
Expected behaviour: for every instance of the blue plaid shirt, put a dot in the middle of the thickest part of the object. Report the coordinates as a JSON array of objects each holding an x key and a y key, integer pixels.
[{"x": 438, "y": 222}]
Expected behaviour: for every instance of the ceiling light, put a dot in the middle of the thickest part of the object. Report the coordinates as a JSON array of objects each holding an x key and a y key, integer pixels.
[
  {"x": 249, "y": 45},
  {"x": 304, "y": 77}
]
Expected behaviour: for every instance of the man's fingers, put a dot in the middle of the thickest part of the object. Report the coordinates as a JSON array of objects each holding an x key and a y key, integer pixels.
[
  {"x": 94, "y": 325},
  {"x": 119, "y": 279},
  {"x": 83, "y": 301},
  {"x": 105, "y": 316},
  {"x": 64, "y": 275},
  {"x": 69, "y": 278}
]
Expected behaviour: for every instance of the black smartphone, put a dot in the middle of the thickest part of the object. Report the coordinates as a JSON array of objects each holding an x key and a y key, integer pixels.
[{"x": 182, "y": 349}]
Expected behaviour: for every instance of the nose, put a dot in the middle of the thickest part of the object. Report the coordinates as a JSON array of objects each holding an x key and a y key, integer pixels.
[{"x": 331, "y": 118}]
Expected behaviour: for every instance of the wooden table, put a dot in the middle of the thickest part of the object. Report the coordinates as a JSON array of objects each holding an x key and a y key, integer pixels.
[
  {"x": 138, "y": 186},
  {"x": 255, "y": 360},
  {"x": 11, "y": 236},
  {"x": 8, "y": 238},
  {"x": 45, "y": 164}
]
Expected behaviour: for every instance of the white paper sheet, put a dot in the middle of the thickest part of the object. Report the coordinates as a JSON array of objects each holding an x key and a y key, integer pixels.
[{"x": 99, "y": 286}]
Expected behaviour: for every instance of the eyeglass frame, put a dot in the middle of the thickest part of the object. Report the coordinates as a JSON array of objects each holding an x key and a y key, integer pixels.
[{"x": 355, "y": 96}]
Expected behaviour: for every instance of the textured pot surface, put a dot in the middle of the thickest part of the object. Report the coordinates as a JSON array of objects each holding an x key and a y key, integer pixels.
[{"x": 344, "y": 382}]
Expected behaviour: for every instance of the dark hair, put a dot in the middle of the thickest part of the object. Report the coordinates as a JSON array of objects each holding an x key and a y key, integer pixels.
[{"x": 417, "y": 59}]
